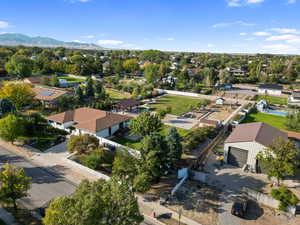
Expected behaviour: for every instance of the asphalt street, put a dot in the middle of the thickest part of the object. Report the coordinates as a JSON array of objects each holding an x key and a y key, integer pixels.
[{"x": 46, "y": 183}]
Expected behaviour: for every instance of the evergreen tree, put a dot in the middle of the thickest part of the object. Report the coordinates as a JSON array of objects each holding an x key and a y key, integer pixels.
[
  {"x": 89, "y": 89},
  {"x": 173, "y": 141}
]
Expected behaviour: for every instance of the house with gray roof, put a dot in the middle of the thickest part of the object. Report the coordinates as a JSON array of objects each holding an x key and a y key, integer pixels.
[
  {"x": 246, "y": 141},
  {"x": 294, "y": 99}
]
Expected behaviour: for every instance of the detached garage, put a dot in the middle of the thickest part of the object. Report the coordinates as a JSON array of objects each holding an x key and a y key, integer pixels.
[{"x": 246, "y": 141}]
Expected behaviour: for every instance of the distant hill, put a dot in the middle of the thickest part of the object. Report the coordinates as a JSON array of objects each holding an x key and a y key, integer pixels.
[{"x": 13, "y": 39}]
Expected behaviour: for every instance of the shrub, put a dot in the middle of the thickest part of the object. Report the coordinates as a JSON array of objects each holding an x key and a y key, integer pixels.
[
  {"x": 285, "y": 196},
  {"x": 81, "y": 143},
  {"x": 97, "y": 159}
]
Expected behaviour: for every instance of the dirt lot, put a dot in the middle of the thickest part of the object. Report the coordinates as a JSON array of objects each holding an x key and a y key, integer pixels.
[
  {"x": 221, "y": 112},
  {"x": 198, "y": 202}
]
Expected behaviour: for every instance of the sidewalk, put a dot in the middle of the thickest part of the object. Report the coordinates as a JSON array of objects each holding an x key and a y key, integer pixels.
[{"x": 54, "y": 159}]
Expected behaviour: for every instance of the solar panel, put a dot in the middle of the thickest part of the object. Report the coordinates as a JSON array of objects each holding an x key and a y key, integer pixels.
[{"x": 46, "y": 93}]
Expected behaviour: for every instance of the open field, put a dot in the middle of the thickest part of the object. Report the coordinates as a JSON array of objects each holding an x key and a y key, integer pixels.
[
  {"x": 72, "y": 79},
  {"x": 178, "y": 104},
  {"x": 115, "y": 94},
  {"x": 271, "y": 99},
  {"x": 273, "y": 120}
]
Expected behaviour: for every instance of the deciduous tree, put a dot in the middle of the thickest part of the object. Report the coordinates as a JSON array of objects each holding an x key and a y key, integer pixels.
[
  {"x": 11, "y": 128},
  {"x": 13, "y": 184},
  {"x": 144, "y": 124},
  {"x": 280, "y": 159},
  {"x": 98, "y": 203}
]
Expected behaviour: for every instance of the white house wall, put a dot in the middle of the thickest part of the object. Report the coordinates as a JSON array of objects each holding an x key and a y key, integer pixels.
[
  {"x": 253, "y": 149},
  {"x": 269, "y": 92}
]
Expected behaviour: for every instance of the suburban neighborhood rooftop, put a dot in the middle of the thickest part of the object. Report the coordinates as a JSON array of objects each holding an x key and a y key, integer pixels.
[
  {"x": 258, "y": 132},
  {"x": 89, "y": 119}
]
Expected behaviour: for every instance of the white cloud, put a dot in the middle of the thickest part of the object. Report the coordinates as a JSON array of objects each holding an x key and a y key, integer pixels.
[
  {"x": 4, "y": 24},
  {"x": 286, "y": 30},
  {"x": 77, "y": 41},
  {"x": 234, "y": 3},
  {"x": 210, "y": 45},
  {"x": 254, "y": 1},
  {"x": 74, "y": 1},
  {"x": 168, "y": 39},
  {"x": 239, "y": 22},
  {"x": 109, "y": 42},
  {"x": 281, "y": 37},
  {"x": 261, "y": 33},
  {"x": 243, "y": 34},
  {"x": 239, "y": 3},
  {"x": 294, "y": 41},
  {"x": 291, "y": 1},
  {"x": 89, "y": 36},
  {"x": 279, "y": 48}
]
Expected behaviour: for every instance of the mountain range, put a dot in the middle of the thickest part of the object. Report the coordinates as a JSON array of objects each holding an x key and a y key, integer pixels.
[{"x": 13, "y": 39}]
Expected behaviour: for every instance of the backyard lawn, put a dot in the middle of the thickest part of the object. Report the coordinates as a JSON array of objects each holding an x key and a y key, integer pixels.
[
  {"x": 72, "y": 79},
  {"x": 135, "y": 144},
  {"x": 273, "y": 120},
  {"x": 179, "y": 104},
  {"x": 115, "y": 94},
  {"x": 272, "y": 99}
]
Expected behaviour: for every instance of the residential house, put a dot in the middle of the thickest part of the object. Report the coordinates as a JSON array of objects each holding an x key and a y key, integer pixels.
[
  {"x": 270, "y": 89},
  {"x": 294, "y": 99},
  {"x": 96, "y": 122},
  {"x": 246, "y": 141},
  {"x": 220, "y": 101},
  {"x": 262, "y": 105},
  {"x": 127, "y": 104}
]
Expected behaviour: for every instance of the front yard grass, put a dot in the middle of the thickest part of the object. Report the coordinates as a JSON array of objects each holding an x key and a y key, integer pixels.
[
  {"x": 271, "y": 99},
  {"x": 117, "y": 95},
  {"x": 72, "y": 79},
  {"x": 179, "y": 104},
  {"x": 273, "y": 120}
]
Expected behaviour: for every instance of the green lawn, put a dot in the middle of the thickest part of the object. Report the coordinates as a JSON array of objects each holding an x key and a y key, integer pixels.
[
  {"x": 72, "y": 79},
  {"x": 272, "y": 99},
  {"x": 179, "y": 104},
  {"x": 273, "y": 120},
  {"x": 114, "y": 94}
]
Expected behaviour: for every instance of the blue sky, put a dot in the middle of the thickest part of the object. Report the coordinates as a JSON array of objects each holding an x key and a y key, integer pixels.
[{"x": 239, "y": 26}]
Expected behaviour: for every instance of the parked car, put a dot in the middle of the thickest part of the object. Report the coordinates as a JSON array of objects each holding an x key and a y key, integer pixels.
[{"x": 239, "y": 208}]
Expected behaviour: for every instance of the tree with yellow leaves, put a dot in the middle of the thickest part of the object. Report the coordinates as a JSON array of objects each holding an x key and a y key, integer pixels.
[{"x": 20, "y": 94}]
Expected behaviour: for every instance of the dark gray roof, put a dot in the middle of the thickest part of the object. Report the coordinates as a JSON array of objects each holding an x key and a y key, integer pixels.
[
  {"x": 255, "y": 132},
  {"x": 270, "y": 86},
  {"x": 296, "y": 94}
]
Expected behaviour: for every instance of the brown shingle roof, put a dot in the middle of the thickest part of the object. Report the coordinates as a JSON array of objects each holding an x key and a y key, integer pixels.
[
  {"x": 89, "y": 119},
  {"x": 255, "y": 132},
  {"x": 48, "y": 94},
  {"x": 127, "y": 103}
]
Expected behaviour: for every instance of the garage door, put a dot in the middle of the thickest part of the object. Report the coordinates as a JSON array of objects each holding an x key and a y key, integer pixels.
[{"x": 237, "y": 157}]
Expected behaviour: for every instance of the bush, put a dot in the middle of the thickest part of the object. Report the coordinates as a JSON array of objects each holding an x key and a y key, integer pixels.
[
  {"x": 97, "y": 159},
  {"x": 82, "y": 143},
  {"x": 285, "y": 196}
]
